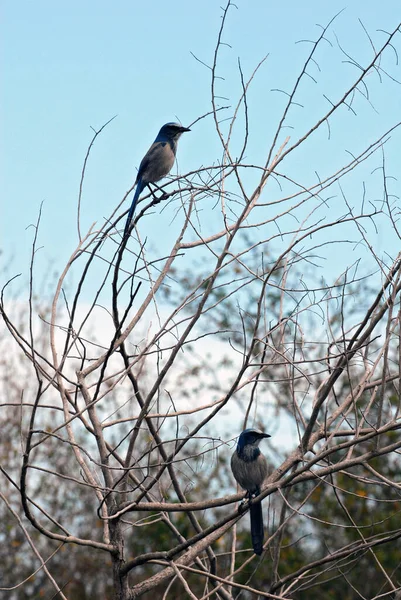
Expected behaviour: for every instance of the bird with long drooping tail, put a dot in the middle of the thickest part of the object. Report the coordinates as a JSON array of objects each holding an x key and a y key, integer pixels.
[
  {"x": 157, "y": 162},
  {"x": 250, "y": 469}
]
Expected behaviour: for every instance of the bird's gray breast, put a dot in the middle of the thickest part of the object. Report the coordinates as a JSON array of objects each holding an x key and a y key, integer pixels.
[
  {"x": 250, "y": 474},
  {"x": 157, "y": 163}
]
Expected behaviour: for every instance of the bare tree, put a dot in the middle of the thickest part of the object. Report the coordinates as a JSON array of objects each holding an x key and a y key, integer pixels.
[{"x": 132, "y": 391}]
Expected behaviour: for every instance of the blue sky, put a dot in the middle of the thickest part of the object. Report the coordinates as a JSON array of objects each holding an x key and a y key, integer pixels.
[{"x": 67, "y": 67}]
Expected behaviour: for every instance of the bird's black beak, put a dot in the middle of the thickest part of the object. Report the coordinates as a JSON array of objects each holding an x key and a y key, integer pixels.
[
  {"x": 184, "y": 129},
  {"x": 265, "y": 435}
]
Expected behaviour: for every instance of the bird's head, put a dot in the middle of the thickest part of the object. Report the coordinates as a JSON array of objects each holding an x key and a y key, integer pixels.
[
  {"x": 250, "y": 437},
  {"x": 171, "y": 131}
]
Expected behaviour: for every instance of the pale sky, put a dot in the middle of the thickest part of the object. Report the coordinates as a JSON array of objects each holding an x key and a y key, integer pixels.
[{"x": 67, "y": 67}]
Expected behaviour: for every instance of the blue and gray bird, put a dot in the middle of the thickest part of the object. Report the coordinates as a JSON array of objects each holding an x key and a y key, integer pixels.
[
  {"x": 250, "y": 469},
  {"x": 157, "y": 162}
]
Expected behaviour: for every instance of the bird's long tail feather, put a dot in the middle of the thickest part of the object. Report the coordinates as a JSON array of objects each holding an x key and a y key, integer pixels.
[
  {"x": 257, "y": 533},
  {"x": 139, "y": 187}
]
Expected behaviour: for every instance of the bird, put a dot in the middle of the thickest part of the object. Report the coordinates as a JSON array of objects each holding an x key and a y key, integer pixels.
[
  {"x": 157, "y": 162},
  {"x": 249, "y": 467}
]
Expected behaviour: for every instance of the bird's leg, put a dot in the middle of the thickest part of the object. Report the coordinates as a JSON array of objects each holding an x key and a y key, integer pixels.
[
  {"x": 245, "y": 501},
  {"x": 250, "y": 495},
  {"x": 156, "y": 200}
]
